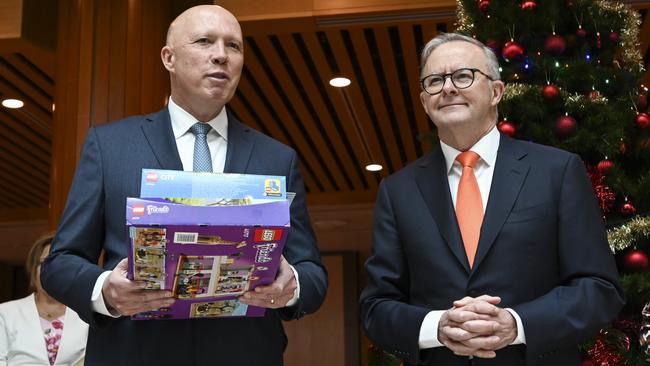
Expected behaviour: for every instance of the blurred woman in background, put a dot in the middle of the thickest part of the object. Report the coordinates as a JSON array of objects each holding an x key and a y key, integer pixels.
[{"x": 37, "y": 329}]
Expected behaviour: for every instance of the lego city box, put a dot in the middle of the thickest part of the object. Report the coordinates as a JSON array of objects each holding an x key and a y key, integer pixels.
[{"x": 207, "y": 251}]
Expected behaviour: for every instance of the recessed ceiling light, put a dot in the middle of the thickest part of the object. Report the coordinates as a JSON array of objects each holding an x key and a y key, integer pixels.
[
  {"x": 374, "y": 167},
  {"x": 13, "y": 103},
  {"x": 340, "y": 82}
]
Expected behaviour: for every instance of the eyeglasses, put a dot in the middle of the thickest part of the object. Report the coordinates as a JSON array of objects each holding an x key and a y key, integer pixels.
[{"x": 461, "y": 78}]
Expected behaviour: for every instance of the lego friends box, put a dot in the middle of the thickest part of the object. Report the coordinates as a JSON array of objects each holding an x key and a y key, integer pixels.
[{"x": 208, "y": 238}]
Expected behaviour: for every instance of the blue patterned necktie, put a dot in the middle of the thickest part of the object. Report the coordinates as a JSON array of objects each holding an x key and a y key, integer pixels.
[{"x": 202, "y": 158}]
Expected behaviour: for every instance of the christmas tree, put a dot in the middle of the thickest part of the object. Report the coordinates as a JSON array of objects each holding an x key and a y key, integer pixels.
[{"x": 572, "y": 70}]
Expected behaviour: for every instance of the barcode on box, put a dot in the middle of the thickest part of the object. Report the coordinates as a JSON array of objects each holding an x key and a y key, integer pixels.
[{"x": 186, "y": 238}]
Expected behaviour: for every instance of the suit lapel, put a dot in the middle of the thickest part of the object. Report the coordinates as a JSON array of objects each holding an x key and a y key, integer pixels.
[
  {"x": 434, "y": 186},
  {"x": 508, "y": 178},
  {"x": 240, "y": 146},
  {"x": 157, "y": 129}
]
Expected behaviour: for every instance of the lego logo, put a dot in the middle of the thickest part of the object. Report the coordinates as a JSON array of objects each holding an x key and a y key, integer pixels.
[
  {"x": 152, "y": 177},
  {"x": 138, "y": 210}
]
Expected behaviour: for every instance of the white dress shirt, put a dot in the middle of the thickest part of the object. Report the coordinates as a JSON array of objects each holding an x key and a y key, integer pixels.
[
  {"x": 217, "y": 139},
  {"x": 487, "y": 148}
]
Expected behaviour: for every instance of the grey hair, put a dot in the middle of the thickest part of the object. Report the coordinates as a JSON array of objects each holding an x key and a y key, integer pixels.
[{"x": 442, "y": 38}]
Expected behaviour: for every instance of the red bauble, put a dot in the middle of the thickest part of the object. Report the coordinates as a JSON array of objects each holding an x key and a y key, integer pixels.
[
  {"x": 643, "y": 102},
  {"x": 587, "y": 362},
  {"x": 506, "y": 127},
  {"x": 581, "y": 32},
  {"x": 613, "y": 37},
  {"x": 594, "y": 94},
  {"x": 528, "y": 5},
  {"x": 555, "y": 45},
  {"x": 628, "y": 209},
  {"x": 636, "y": 261},
  {"x": 512, "y": 50},
  {"x": 605, "y": 165},
  {"x": 622, "y": 148},
  {"x": 484, "y": 5},
  {"x": 492, "y": 44},
  {"x": 550, "y": 92},
  {"x": 565, "y": 126},
  {"x": 642, "y": 120}
]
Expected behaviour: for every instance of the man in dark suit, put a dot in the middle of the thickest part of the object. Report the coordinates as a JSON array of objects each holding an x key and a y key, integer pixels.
[
  {"x": 204, "y": 56},
  {"x": 519, "y": 273}
]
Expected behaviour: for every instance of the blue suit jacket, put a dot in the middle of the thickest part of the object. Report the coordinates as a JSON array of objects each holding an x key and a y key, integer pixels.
[
  {"x": 94, "y": 222},
  {"x": 542, "y": 249}
]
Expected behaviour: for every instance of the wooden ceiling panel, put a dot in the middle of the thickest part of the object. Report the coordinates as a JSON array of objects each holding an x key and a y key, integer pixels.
[
  {"x": 331, "y": 132},
  {"x": 283, "y": 92},
  {"x": 284, "y": 112},
  {"x": 311, "y": 128},
  {"x": 270, "y": 89},
  {"x": 364, "y": 128},
  {"x": 339, "y": 109},
  {"x": 383, "y": 130},
  {"x": 402, "y": 119},
  {"x": 411, "y": 54}
]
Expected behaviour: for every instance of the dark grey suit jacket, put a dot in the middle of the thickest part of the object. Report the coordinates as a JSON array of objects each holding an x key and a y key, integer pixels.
[
  {"x": 94, "y": 221},
  {"x": 542, "y": 249}
]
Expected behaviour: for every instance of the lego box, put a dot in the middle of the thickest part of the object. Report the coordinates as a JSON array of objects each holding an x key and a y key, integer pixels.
[{"x": 207, "y": 250}]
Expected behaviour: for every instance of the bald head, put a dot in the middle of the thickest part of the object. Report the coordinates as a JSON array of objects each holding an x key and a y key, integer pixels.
[
  {"x": 204, "y": 55},
  {"x": 192, "y": 14}
]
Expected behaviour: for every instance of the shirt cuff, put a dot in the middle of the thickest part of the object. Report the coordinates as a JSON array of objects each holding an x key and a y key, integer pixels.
[
  {"x": 429, "y": 330},
  {"x": 521, "y": 336},
  {"x": 296, "y": 292},
  {"x": 97, "y": 299}
]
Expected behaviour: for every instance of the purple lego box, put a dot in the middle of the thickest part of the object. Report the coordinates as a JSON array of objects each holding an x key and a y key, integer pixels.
[{"x": 207, "y": 256}]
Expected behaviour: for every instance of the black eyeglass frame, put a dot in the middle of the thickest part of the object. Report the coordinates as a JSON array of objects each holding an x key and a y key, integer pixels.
[{"x": 450, "y": 75}]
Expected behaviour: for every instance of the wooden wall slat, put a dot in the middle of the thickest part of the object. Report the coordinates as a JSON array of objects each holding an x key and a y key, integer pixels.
[
  {"x": 118, "y": 39},
  {"x": 133, "y": 58},
  {"x": 154, "y": 88}
]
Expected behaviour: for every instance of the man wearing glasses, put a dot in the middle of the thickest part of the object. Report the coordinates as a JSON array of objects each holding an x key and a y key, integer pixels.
[{"x": 489, "y": 250}]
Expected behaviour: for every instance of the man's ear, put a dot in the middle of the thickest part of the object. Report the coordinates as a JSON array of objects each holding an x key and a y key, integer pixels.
[
  {"x": 498, "y": 87},
  {"x": 167, "y": 57}
]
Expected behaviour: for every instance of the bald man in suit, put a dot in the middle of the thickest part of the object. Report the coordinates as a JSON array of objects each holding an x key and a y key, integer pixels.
[{"x": 204, "y": 55}]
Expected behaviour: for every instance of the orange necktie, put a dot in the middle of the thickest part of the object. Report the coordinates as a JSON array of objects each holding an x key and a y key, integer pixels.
[{"x": 469, "y": 205}]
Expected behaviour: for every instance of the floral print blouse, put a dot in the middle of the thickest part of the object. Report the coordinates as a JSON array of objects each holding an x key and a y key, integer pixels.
[{"x": 52, "y": 332}]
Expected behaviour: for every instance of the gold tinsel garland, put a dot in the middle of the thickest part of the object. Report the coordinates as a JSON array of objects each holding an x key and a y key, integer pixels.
[
  {"x": 629, "y": 34},
  {"x": 625, "y": 235},
  {"x": 572, "y": 101}
]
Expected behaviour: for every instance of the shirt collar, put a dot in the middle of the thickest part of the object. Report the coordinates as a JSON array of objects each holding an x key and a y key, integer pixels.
[
  {"x": 182, "y": 120},
  {"x": 486, "y": 147}
]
